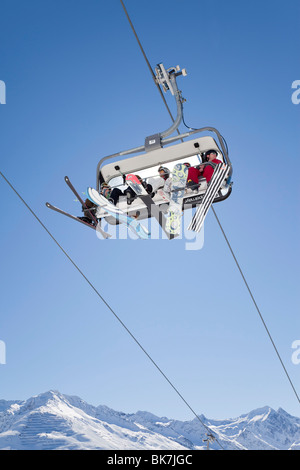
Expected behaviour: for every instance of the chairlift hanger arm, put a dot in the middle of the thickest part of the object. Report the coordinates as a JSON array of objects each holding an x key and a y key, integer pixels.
[{"x": 167, "y": 79}]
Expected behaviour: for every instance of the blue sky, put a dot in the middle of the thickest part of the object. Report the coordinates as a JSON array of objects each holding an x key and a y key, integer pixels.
[{"x": 78, "y": 89}]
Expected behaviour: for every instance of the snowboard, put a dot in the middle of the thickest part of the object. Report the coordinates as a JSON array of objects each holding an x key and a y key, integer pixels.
[{"x": 179, "y": 178}]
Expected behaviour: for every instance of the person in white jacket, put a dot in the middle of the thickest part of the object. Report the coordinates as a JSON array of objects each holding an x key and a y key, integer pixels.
[{"x": 164, "y": 173}]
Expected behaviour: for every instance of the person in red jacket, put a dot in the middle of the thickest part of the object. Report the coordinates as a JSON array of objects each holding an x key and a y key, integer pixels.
[
  {"x": 208, "y": 168},
  {"x": 193, "y": 176}
]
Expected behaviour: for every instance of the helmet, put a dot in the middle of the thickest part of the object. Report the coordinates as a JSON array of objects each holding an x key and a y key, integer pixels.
[
  {"x": 165, "y": 170},
  {"x": 187, "y": 164},
  {"x": 210, "y": 151}
]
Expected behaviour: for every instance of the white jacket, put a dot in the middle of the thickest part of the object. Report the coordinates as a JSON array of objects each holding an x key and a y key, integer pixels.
[{"x": 168, "y": 187}]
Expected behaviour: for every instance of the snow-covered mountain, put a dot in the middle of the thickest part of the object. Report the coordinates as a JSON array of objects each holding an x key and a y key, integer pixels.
[{"x": 56, "y": 421}]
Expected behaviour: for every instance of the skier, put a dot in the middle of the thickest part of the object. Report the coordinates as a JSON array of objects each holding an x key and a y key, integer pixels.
[
  {"x": 89, "y": 210},
  {"x": 212, "y": 161},
  {"x": 131, "y": 195},
  {"x": 164, "y": 173},
  {"x": 146, "y": 185},
  {"x": 111, "y": 194}
]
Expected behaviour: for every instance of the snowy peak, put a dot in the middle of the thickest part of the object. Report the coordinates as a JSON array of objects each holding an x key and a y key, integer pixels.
[
  {"x": 55, "y": 421},
  {"x": 52, "y": 420},
  {"x": 263, "y": 428}
]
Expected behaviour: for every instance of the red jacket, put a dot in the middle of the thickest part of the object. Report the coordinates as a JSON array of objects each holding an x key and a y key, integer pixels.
[{"x": 208, "y": 170}]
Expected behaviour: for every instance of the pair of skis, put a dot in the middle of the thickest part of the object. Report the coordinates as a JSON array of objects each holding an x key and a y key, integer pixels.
[
  {"x": 220, "y": 173},
  {"x": 95, "y": 224}
]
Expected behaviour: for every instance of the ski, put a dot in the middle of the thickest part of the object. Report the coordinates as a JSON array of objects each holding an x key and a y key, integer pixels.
[
  {"x": 136, "y": 185},
  {"x": 60, "y": 211},
  {"x": 134, "y": 225},
  {"x": 97, "y": 223},
  {"x": 220, "y": 173},
  {"x": 179, "y": 178}
]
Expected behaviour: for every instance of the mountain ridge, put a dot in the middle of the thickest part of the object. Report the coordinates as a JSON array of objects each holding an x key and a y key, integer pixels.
[{"x": 52, "y": 420}]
